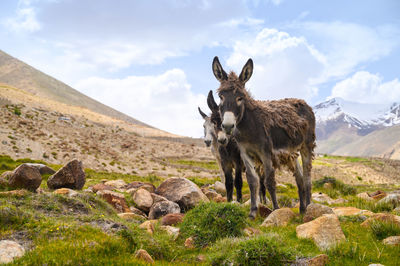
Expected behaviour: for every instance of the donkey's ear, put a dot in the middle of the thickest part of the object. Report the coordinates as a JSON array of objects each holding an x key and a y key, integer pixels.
[
  {"x": 247, "y": 71},
  {"x": 218, "y": 71},
  {"x": 201, "y": 113},
  {"x": 211, "y": 102}
]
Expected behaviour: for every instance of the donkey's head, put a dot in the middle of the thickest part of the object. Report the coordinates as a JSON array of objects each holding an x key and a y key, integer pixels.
[
  {"x": 216, "y": 120},
  {"x": 232, "y": 93},
  {"x": 209, "y": 130}
]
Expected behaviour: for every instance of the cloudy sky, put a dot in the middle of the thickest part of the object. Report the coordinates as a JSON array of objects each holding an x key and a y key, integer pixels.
[{"x": 152, "y": 59}]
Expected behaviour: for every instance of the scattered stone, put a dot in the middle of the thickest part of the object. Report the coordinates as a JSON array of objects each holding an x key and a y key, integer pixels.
[
  {"x": 70, "y": 175},
  {"x": 101, "y": 186},
  {"x": 392, "y": 241},
  {"x": 143, "y": 199},
  {"x": 9, "y": 250},
  {"x": 118, "y": 183},
  {"x": 162, "y": 208},
  {"x": 220, "y": 187},
  {"x": 325, "y": 231},
  {"x": 15, "y": 193},
  {"x": 130, "y": 216},
  {"x": 339, "y": 201},
  {"x": 182, "y": 191},
  {"x": 321, "y": 197},
  {"x": 144, "y": 255},
  {"x": 137, "y": 211},
  {"x": 282, "y": 186},
  {"x": 392, "y": 198},
  {"x": 149, "y": 226},
  {"x": 378, "y": 195},
  {"x": 351, "y": 211},
  {"x": 220, "y": 199},
  {"x": 201, "y": 258},
  {"x": 328, "y": 186},
  {"x": 279, "y": 217},
  {"x": 172, "y": 231},
  {"x": 383, "y": 217},
  {"x": 88, "y": 190},
  {"x": 189, "y": 243},
  {"x": 263, "y": 210},
  {"x": 397, "y": 210},
  {"x": 43, "y": 169},
  {"x": 25, "y": 176},
  {"x": 158, "y": 198},
  {"x": 319, "y": 260},
  {"x": 137, "y": 184},
  {"x": 66, "y": 192},
  {"x": 172, "y": 219},
  {"x": 315, "y": 210},
  {"x": 211, "y": 195},
  {"x": 364, "y": 195},
  {"x": 376, "y": 264},
  {"x": 117, "y": 200},
  {"x": 250, "y": 232}
]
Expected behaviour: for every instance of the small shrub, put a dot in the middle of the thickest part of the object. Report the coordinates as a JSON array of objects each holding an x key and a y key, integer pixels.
[
  {"x": 211, "y": 221},
  {"x": 17, "y": 110},
  {"x": 343, "y": 188},
  {"x": 382, "y": 230},
  {"x": 284, "y": 201}
]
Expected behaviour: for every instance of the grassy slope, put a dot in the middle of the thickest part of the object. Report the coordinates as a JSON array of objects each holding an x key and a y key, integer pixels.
[{"x": 73, "y": 231}]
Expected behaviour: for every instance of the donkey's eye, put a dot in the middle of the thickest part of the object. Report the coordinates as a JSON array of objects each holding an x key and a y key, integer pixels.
[
  {"x": 239, "y": 100},
  {"x": 221, "y": 97}
]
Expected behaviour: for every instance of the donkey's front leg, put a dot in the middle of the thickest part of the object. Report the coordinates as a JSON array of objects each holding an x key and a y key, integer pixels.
[
  {"x": 238, "y": 181},
  {"x": 269, "y": 181},
  {"x": 228, "y": 182},
  {"x": 253, "y": 181}
]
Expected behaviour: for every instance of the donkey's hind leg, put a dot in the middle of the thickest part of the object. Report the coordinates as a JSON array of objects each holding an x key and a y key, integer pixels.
[
  {"x": 301, "y": 186},
  {"x": 228, "y": 182},
  {"x": 270, "y": 182},
  {"x": 238, "y": 181},
  {"x": 306, "y": 157}
]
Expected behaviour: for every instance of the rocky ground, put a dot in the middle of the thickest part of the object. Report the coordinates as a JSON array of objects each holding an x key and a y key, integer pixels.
[{"x": 109, "y": 218}]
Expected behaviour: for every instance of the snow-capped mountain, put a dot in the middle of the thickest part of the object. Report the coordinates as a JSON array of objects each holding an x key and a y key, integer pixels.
[{"x": 363, "y": 118}]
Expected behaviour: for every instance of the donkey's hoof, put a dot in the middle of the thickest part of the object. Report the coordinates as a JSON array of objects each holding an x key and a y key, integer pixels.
[{"x": 252, "y": 214}]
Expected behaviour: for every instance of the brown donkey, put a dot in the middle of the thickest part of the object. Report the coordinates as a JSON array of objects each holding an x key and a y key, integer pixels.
[{"x": 268, "y": 133}]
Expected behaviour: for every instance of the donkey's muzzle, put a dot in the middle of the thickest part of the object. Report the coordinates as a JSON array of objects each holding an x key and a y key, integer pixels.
[{"x": 207, "y": 142}]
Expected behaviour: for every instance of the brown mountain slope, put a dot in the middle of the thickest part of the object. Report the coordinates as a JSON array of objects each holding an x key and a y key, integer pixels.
[{"x": 20, "y": 75}]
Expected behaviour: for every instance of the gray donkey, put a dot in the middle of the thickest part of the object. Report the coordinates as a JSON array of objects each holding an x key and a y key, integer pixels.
[
  {"x": 226, "y": 153},
  {"x": 268, "y": 133}
]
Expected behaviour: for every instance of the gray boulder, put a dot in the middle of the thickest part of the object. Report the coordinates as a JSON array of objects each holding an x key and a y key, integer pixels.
[
  {"x": 70, "y": 175},
  {"x": 25, "y": 176},
  {"x": 163, "y": 208}
]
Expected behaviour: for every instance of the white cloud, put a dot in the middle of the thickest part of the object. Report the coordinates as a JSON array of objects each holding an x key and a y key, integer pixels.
[
  {"x": 24, "y": 20},
  {"x": 164, "y": 101},
  {"x": 365, "y": 87},
  {"x": 284, "y": 65}
]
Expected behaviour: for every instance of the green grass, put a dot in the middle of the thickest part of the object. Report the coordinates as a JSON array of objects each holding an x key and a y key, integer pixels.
[
  {"x": 382, "y": 230},
  {"x": 341, "y": 187},
  {"x": 211, "y": 165}
]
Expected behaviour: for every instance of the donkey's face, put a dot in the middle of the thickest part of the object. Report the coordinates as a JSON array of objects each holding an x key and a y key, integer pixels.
[
  {"x": 209, "y": 130},
  {"x": 216, "y": 120},
  {"x": 232, "y": 94}
]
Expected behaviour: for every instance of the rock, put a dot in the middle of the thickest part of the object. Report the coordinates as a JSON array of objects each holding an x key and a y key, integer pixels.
[
  {"x": 137, "y": 184},
  {"x": 70, "y": 175},
  {"x": 321, "y": 197},
  {"x": 130, "y": 216},
  {"x": 279, "y": 217},
  {"x": 339, "y": 201},
  {"x": 14, "y": 193},
  {"x": 392, "y": 198},
  {"x": 137, "y": 211},
  {"x": 263, "y": 210},
  {"x": 149, "y": 226},
  {"x": 162, "y": 208},
  {"x": 325, "y": 231},
  {"x": 377, "y": 195},
  {"x": 66, "y": 192},
  {"x": 201, "y": 258},
  {"x": 172, "y": 231},
  {"x": 383, "y": 217},
  {"x": 43, "y": 169},
  {"x": 172, "y": 219},
  {"x": 211, "y": 195},
  {"x": 222, "y": 199},
  {"x": 315, "y": 210},
  {"x": 88, "y": 190},
  {"x": 328, "y": 186},
  {"x": 392, "y": 241},
  {"x": 351, "y": 211},
  {"x": 118, "y": 183},
  {"x": 144, "y": 255},
  {"x": 220, "y": 187},
  {"x": 182, "y": 191},
  {"x": 364, "y": 195},
  {"x": 143, "y": 199},
  {"x": 319, "y": 260},
  {"x": 117, "y": 200},
  {"x": 250, "y": 232},
  {"x": 376, "y": 264},
  {"x": 189, "y": 243},
  {"x": 25, "y": 176},
  {"x": 281, "y": 186},
  {"x": 158, "y": 198},
  {"x": 397, "y": 210},
  {"x": 9, "y": 250},
  {"x": 101, "y": 186}
]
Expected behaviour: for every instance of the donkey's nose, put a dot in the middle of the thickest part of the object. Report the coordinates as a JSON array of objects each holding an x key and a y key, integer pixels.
[
  {"x": 208, "y": 142},
  {"x": 227, "y": 128}
]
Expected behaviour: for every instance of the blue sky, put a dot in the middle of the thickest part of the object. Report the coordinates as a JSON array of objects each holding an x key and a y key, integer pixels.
[{"x": 152, "y": 59}]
